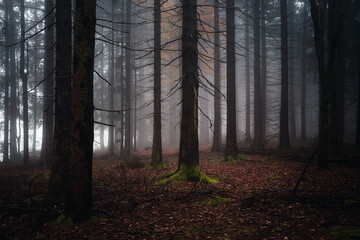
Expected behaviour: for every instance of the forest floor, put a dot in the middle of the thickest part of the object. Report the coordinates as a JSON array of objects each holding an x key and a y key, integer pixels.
[{"x": 253, "y": 200}]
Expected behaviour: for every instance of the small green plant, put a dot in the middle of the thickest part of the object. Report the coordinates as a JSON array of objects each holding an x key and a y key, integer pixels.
[
  {"x": 63, "y": 220},
  {"x": 215, "y": 200},
  {"x": 276, "y": 176}
]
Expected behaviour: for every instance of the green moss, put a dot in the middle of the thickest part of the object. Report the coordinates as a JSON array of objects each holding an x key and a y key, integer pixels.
[
  {"x": 215, "y": 200},
  {"x": 94, "y": 219},
  {"x": 185, "y": 173},
  {"x": 158, "y": 167},
  {"x": 41, "y": 176},
  {"x": 63, "y": 220},
  {"x": 274, "y": 176},
  {"x": 345, "y": 232},
  {"x": 232, "y": 158}
]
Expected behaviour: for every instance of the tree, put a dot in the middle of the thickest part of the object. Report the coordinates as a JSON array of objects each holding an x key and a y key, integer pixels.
[
  {"x": 291, "y": 77},
  {"x": 217, "y": 86},
  {"x": 231, "y": 141},
  {"x": 188, "y": 168},
  {"x": 358, "y": 108},
  {"x": 79, "y": 193},
  {"x": 247, "y": 80},
  {"x": 258, "y": 114},
  {"x": 303, "y": 72},
  {"x": 284, "y": 109},
  {"x": 156, "y": 157},
  {"x": 62, "y": 134},
  {"x": 263, "y": 68},
  {"x": 23, "y": 76},
  {"x": 7, "y": 78},
  {"x": 48, "y": 129}
]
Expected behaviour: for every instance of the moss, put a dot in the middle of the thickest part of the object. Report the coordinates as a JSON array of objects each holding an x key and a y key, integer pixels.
[
  {"x": 94, "y": 219},
  {"x": 157, "y": 167},
  {"x": 345, "y": 232},
  {"x": 185, "y": 173},
  {"x": 215, "y": 200},
  {"x": 274, "y": 176},
  {"x": 41, "y": 176},
  {"x": 63, "y": 220},
  {"x": 233, "y": 158}
]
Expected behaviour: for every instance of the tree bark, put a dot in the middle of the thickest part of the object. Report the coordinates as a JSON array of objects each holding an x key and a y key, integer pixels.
[
  {"x": 48, "y": 109},
  {"x": 284, "y": 109},
  {"x": 217, "y": 86},
  {"x": 358, "y": 108},
  {"x": 258, "y": 115},
  {"x": 62, "y": 131},
  {"x": 7, "y": 83},
  {"x": 231, "y": 141},
  {"x": 247, "y": 80},
  {"x": 111, "y": 80},
  {"x": 292, "y": 119},
  {"x": 156, "y": 157},
  {"x": 263, "y": 69},
  {"x": 79, "y": 194},
  {"x": 303, "y": 73}
]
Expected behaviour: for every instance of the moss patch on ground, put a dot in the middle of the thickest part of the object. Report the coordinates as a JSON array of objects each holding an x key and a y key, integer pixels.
[
  {"x": 233, "y": 158},
  {"x": 345, "y": 232},
  {"x": 184, "y": 174},
  {"x": 215, "y": 200}
]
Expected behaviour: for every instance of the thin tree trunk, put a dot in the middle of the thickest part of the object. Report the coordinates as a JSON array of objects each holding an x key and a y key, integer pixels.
[
  {"x": 284, "y": 109},
  {"x": 247, "y": 80},
  {"x": 24, "y": 82},
  {"x": 358, "y": 108},
  {"x": 7, "y": 78},
  {"x": 79, "y": 194},
  {"x": 231, "y": 141},
  {"x": 127, "y": 148},
  {"x": 217, "y": 86},
  {"x": 112, "y": 87},
  {"x": 258, "y": 121},
  {"x": 303, "y": 73},
  {"x": 122, "y": 90},
  {"x": 292, "y": 120},
  {"x": 62, "y": 133},
  {"x": 156, "y": 157},
  {"x": 48, "y": 109},
  {"x": 263, "y": 69}
]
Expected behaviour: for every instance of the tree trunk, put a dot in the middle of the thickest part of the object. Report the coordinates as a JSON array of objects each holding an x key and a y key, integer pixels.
[
  {"x": 122, "y": 90},
  {"x": 263, "y": 69},
  {"x": 127, "y": 147},
  {"x": 358, "y": 108},
  {"x": 292, "y": 120},
  {"x": 217, "y": 86},
  {"x": 7, "y": 78},
  {"x": 284, "y": 109},
  {"x": 13, "y": 100},
  {"x": 156, "y": 157},
  {"x": 48, "y": 109},
  {"x": 247, "y": 80},
  {"x": 303, "y": 73},
  {"x": 231, "y": 141},
  {"x": 79, "y": 194},
  {"x": 62, "y": 133},
  {"x": 258, "y": 121},
  {"x": 112, "y": 87}
]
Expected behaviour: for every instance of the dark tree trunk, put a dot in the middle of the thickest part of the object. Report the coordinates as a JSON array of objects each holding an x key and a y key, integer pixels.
[
  {"x": 358, "y": 108},
  {"x": 7, "y": 83},
  {"x": 79, "y": 194},
  {"x": 263, "y": 68},
  {"x": 217, "y": 86},
  {"x": 258, "y": 115},
  {"x": 122, "y": 90},
  {"x": 48, "y": 109},
  {"x": 24, "y": 82},
  {"x": 292, "y": 120},
  {"x": 127, "y": 147},
  {"x": 156, "y": 157},
  {"x": 247, "y": 80},
  {"x": 231, "y": 141},
  {"x": 112, "y": 87},
  {"x": 13, "y": 100},
  {"x": 303, "y": 73},
  {"x": 284, "y": 109},
  {"x": 189, "y": 143},
  {"x": 62, "y": 132},
  {"x": 34, "y": 97}
]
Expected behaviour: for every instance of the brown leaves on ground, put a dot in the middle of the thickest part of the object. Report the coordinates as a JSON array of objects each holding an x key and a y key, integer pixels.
[{"x": 253, "y": 200}]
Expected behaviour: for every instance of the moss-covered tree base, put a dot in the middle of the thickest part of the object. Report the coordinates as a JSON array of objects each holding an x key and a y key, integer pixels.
[
  {"x": 185, "y": 174},
  {"x": 157, "y": 167},
  {"x": 233, "y": 158}
]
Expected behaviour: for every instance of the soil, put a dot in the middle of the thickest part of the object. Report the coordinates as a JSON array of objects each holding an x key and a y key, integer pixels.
[{"x": 253, "y": 200}]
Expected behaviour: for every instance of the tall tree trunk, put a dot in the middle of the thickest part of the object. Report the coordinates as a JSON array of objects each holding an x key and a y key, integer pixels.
[
  {"x": 12, "y": 75},
  {"x": 156, "y": 157},
  {"x": 231, "y": 141},
  {"x": 7, "y": 83},
  {"x": 127, "y": 147},
  {"x": 247, "y": 80},
  {"x": 48, "y": 109},
  {"x": 358, "y": 107},
  {"x": 112, "y": 87},
  {"x": 263, "y": 68},
  {"x": 62, "y": 133},
  {"x": 122, "y": 90},
  {"x": 24, "y": 82},
  {"x": 292, "y": 120},
  {"x": 217, "y": 86},
  {"x": 284, "y": 109},
  {"x": 79, "y": 194},
  {"x": 303, "y": 73},
  {"x": 258, "y": 121}
]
